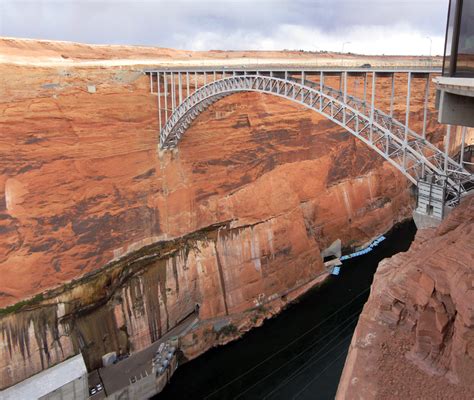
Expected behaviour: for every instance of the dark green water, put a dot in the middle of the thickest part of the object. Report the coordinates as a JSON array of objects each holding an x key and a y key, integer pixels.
[{"x": 300, "y": 353}]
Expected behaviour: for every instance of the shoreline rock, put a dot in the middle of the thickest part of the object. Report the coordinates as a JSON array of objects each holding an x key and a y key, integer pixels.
[{"x": 415, "y": 336}]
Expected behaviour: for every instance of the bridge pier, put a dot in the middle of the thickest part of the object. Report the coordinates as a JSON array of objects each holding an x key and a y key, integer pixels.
[
  {"x": 423, "y": 221},
  {"x": 430, "y": 204}
]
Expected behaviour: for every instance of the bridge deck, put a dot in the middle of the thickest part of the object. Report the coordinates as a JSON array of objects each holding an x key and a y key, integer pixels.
[{"x": 183, "y": 93}]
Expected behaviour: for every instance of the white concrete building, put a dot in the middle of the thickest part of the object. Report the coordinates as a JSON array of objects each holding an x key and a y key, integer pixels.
[{"x": 64, "y": 381}]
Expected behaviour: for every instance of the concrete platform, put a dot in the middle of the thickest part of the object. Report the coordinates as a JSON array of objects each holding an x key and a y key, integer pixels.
[{"x": 118, "y": 376}]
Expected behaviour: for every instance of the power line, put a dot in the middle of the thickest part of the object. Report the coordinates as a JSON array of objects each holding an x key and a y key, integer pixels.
[
  {"x": 288, "y": 345},
  {"x": 309, "y": 362},
  {"x": 304, "y": 366},
  {"x": 319, "y": 375},
  {"x": 353, "y": 317}
]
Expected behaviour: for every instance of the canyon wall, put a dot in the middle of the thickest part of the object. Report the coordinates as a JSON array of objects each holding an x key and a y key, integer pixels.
[
  {"x": 99, "y": 229},
  {"x": 415, "y": 336},
  {"x": 135, "y": 301}
]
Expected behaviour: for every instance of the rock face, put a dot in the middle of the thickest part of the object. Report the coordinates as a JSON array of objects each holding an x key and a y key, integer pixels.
[
  {"x": 107, "y": 232},
  {"x": 135, "y": 301},
  {"x": 415, "y": 336},
  {"x": 82, "y": 182}
]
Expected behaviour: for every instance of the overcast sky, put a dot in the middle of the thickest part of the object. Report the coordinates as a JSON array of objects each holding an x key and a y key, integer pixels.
[{"x": 371, "y": 26}]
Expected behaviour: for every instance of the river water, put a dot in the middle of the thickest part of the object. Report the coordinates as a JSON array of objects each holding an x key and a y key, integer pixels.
[{"x": 300, "y": 353}]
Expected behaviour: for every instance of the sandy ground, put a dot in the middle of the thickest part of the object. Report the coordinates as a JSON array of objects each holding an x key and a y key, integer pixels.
[{"x": 43, "y": 53}]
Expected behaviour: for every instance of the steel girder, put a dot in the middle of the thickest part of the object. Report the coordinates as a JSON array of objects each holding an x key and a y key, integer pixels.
[{"x": 410, "y": 153}]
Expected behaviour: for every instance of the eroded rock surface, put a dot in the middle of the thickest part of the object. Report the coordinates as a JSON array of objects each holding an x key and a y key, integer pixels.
[
  {"x": 415, "y": 336},
  {"x": 127, "y": 239},
  {"x": 82, "y": 182}
]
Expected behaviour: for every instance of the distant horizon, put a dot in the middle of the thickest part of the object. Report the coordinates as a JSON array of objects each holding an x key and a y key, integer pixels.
[
  {"x": 368, "y": 27},
  {"x": 348, "y": 53}
]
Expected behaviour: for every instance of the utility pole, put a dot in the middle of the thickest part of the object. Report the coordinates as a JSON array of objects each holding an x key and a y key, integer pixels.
[
  {"x": 344, "y": 45},
  {"x": 431, "y": 45},
  {"x": 343, "y": 51}
]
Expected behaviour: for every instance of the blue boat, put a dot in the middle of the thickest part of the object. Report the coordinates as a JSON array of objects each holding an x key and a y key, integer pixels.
[
  {"x": 368, "y": 249},
  {"x": 335, "y": 271}
]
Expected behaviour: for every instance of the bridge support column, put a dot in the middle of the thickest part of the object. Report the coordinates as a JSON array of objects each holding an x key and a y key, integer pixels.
[
  {"x": 430, "y": 205},
  {"x": 407, "y": 121},
  {"x": 302, "y": 82},
  {"x": 392, "y": 95},
  {"x": 407, "y": 111},
  {"x": 345, "y": 97},
  {"x": 180, "y": 88},
  {"x": 165, "y": 85},
  {"x": 159, "y": 101},
  {"x": 173, "y": 88},
  {"x": 463, "y": 141},
  {"x": 372, "y": 105},
  {"x": 425, "y": 109},
  {"x": 423, "y": 221},
  {"x": 446, "y": 148},
  {"x": 321, "y": 86},
  {"x": 187, "y": 84},
  {"x": 365, "y": 92}
]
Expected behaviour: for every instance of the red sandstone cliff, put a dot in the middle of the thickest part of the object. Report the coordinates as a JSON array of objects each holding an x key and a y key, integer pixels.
[
  {"x": 234, "y": 219},
  {"x": 82, "y": 182},
  {"x": 415, "y": 336}
]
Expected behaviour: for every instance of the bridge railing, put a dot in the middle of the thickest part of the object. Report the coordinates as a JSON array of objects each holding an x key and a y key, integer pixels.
[{"x": 412, "y": 153}]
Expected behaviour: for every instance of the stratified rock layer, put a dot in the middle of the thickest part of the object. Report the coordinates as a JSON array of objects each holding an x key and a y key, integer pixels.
[
  {"x": 128, "y": 239},
  {"x": 415, "y": 336},
  {"x": 82, "y": 181}
]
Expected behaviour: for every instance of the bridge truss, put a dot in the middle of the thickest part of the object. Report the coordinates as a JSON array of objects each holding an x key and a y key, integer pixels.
[{"x": 184, "y": 94}]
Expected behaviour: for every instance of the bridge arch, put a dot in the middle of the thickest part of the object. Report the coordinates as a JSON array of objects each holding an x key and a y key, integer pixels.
[{"x": 411, "y": 154}]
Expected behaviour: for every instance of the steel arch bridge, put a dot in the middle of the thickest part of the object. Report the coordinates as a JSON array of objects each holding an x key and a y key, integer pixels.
[{"x": 412, "y": 154}]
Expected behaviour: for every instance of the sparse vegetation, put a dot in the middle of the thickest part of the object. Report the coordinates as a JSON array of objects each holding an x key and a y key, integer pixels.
[
  {"x": 24, "y": 303},
  {"x": 104, "y": 281},
  {"x": 261, "y": 309},
  {"x": 228, "y": 330}
]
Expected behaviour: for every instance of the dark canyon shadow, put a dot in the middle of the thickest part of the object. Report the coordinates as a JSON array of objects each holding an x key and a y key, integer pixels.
[{"x": 300, "y": 353}]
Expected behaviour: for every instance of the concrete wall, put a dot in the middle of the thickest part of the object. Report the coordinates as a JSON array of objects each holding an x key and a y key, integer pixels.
[
  {"x": 456, "y": 109},
  {"x": 455, "y": 139},
  {"x": 146, "y": 387},
  {"x": 75, "y": 390}
]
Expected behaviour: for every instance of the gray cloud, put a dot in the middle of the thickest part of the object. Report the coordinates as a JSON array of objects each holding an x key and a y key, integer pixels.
[{"x": 212, "y": 24}]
